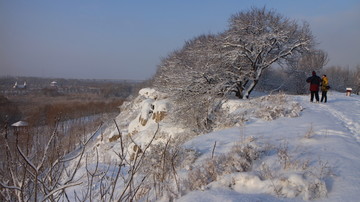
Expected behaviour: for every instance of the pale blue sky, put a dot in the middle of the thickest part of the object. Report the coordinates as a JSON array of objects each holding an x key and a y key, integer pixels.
[{"x": 108, "y": 39}]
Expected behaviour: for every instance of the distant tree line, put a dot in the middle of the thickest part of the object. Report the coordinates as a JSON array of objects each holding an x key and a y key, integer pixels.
[
  {"x": 340, "y": 78},
  {"x": 105, "y": 88}
]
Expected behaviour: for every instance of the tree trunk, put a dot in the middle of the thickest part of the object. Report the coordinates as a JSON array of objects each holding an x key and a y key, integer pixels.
[
  {"x": 247, "y": 90},
  {"x": 240, "y": 89}
]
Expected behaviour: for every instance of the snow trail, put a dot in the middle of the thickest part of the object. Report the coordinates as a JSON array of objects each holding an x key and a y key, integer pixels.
[
  {"x": 352, "y": 125},
  {"x": 348, "y": 114},
  {"x": 345, "y": 110}
]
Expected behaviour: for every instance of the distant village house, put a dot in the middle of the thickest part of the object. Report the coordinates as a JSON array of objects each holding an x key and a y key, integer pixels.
[
  {"x": 18, "y": 86},
  {"x": 53, "y": 84}
]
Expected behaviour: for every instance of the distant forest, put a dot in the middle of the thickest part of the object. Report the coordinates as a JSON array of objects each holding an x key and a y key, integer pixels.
[{"x": 106, "y": 88}]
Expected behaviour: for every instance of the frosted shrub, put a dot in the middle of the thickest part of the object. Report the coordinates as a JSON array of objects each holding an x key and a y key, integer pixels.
[
  {"x": 310, "y": 133},
  {"x": 316, "y": 189},
  {"x": 318, "y": 174},
  {"x": 299, "y": 179},
  {"x": 189, "y": 157},
  {"x": 274, "y": 106},
  {"x": 161, "y": 164},
  {"x": 293, "y": 184},
  {"x": 162, "y": 160},
  {"x": 265, "y": 172},
  {"x": 322, "y": 171},
  {"x": 225, "y": 120},
  {"x": 287, "y": 161},
  {"x": 283, "y": 155},
  {"x": 202, "y": 175},
  {"x": 196, "y": 179},
  {"x": 271, "y": 107},
  {"x": 239, "y": 159}
]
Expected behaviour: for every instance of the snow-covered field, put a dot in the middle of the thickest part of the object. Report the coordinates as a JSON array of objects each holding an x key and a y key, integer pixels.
[
  {"x": 311, "y": 153},
  {"x": 333, "y": 143}
]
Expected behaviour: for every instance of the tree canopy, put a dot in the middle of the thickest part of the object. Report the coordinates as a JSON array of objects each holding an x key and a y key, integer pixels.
[{"x": 233, "y": 61}]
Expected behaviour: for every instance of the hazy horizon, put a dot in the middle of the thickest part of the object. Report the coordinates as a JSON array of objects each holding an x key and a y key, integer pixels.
[{"x": 126, "y": 40}]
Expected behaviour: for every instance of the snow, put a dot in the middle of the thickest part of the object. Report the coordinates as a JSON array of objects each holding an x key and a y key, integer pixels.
[
  {"x": 335, "y": 140},
  {"x": 20, "y": 124},
  {"x": 308, "y": 151}
]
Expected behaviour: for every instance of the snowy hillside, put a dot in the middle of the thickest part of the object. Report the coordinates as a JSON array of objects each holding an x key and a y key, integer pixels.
[
  {"x": 326, "y": 136},
  {"x": 268, "y": 148}
]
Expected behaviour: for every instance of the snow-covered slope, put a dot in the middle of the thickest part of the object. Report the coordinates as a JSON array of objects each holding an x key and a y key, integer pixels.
[
  {"x": 278, "y": 148},
  {"x": 325, "y": 136}
]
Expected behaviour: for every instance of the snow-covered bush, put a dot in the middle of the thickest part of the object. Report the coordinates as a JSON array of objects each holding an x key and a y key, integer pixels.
[
  {"x": 315, "y": 190},
  {"x": 309, "y": 133},
  {"x": 287, "y": 161},
  {"x": 275, "y": 106},
  {"x": 239, "y": 159},
  {"x": 235, "y": 112},
  {"x": 162, "y": 162},
  {"x": 244, "y": 169}
]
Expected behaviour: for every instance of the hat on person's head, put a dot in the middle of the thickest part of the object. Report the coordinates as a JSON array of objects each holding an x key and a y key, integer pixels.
[{"x": 313, "y": 73}]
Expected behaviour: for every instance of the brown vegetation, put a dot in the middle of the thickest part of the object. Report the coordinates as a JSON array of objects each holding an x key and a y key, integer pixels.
[
  {"x": 43, "y": 110},
  {"x": 8, "y": 111}
]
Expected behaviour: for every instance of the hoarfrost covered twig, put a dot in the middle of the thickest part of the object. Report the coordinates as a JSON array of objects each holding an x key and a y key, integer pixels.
[
  {"x": 213, "y": 150},
  {"x": 10, "y": 187},
  {"x": 60, "y": 189},
  {"x": 134, "y": 168}
]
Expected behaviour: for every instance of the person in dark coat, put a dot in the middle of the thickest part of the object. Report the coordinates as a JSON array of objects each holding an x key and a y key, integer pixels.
[{"x": 314, "y": 81}]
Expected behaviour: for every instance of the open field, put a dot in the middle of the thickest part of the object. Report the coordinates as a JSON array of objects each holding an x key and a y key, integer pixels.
[
  {"x": 71, "y": 108},
  {"x": 40, "y": 100}
]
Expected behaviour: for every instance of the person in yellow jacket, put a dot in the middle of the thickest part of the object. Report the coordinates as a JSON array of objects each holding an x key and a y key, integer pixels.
[{"x": 324, "y": 88}]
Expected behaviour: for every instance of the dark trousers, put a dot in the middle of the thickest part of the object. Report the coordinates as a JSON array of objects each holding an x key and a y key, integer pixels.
[
  {"x": 316, "y": 94},
  {"x": 324, "y": 96}
]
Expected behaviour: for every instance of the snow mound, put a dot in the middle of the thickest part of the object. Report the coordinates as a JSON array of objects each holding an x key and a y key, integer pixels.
[
  {"x": 268, "y": 107},
  {"x": 235, "y": 112},
  {"x": 139, "y": 120},
  {"x": 152, "y": 93}
]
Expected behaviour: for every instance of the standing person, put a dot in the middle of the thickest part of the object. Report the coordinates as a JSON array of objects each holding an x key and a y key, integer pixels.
[
  {"x": 324, "y": 88},
  {"x": 314, "y": 81}
]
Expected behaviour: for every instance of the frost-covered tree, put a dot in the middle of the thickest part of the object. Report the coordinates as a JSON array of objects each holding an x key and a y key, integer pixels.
[
  {"x": 260, "y": 38},
  {"x": 191, "y": 76},
  {"x": 209, "y": 67},
  {"x": 185, "y": 66}
]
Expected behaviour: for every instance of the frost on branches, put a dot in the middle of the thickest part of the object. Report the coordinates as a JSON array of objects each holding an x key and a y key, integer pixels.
[
  {"x": 234, "y": 61},
  {"x": 212, "y": 67}
]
